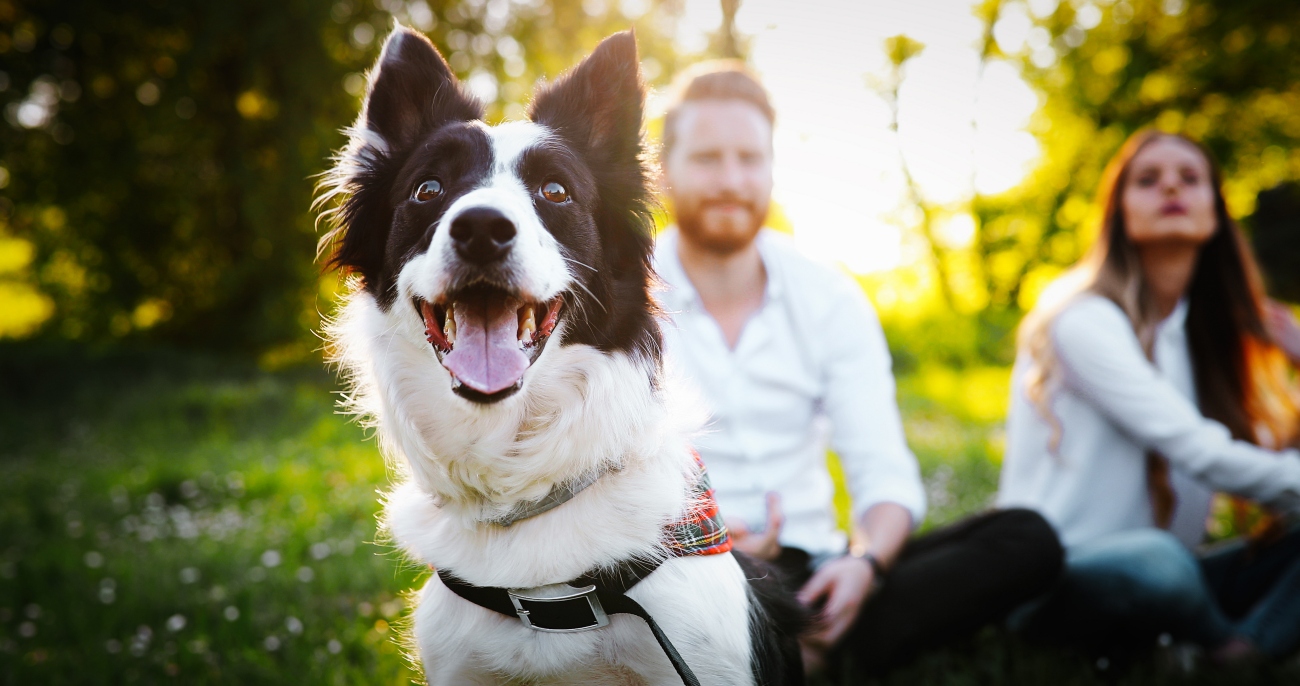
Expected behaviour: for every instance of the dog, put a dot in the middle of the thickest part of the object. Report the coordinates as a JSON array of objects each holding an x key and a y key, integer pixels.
[{"x": 501, "y": 335}]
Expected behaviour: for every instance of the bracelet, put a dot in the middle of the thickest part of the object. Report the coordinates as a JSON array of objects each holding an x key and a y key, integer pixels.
[{"x": 877, "y": 567}]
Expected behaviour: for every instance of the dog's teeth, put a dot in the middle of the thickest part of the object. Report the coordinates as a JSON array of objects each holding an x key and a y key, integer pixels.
[
  {"x": 528, "y": 327},
  {"x": 449, "y": 328}
]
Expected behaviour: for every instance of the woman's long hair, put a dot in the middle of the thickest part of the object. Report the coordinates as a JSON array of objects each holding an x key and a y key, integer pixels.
[{"x": 1241, "y": 375}]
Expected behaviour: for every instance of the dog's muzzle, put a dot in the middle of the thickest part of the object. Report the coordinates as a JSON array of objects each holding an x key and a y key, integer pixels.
[{"x": 574, "y": 609}]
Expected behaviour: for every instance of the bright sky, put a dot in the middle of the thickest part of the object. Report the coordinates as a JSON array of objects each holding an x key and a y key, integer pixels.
[{"x": 838, "y": 172}]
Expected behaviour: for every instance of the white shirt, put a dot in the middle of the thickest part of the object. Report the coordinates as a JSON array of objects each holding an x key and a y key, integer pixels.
[
  {"x": 812, "y": 354},
  {"x": 1114, "y": 406}
]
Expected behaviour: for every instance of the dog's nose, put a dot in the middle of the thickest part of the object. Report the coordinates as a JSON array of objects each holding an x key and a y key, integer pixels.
[{"x": 482, "y": 235}]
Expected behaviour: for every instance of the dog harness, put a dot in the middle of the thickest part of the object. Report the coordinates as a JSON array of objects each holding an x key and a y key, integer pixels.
[{"x": 586, "y": 602}]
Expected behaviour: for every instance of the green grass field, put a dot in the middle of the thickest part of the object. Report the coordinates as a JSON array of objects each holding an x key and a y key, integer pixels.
[{"x": 174, "y": 519}]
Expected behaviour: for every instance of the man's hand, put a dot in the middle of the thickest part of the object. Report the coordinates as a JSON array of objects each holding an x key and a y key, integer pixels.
[
  {"x": 1284, "y": 329},
  {"x": 843, "y": 584},
  {"x": 764, "y": 546}
]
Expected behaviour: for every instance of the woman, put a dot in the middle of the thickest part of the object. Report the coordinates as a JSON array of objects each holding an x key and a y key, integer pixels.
[{"x": 1149, "y": 377}]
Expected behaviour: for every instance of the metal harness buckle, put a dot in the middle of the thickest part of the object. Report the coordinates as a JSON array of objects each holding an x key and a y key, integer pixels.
[{"x": 573, "y": 609}]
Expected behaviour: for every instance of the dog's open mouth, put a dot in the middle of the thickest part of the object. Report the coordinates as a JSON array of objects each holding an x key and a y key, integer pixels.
[{"x": 487, "y": 338}]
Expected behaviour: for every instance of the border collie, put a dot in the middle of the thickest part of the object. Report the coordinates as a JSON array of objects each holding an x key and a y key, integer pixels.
[{"x": 500, "y": 334}]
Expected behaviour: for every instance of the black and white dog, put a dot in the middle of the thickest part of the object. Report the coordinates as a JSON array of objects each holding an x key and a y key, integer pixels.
[{"x": 501, "y": 335}]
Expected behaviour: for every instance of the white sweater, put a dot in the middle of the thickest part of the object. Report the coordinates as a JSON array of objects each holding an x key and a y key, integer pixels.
[{"x": 1114, "y": 405}]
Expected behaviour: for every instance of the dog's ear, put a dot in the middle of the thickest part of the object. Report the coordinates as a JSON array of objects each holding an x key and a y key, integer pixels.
[
  {"x": 412, "y": 91},
  {"x": 597, "y": 108},
  {"x": 598, "y": 105}
]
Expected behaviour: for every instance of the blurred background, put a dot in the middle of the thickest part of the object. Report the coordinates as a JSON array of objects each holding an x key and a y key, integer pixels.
[{"x": 179, "y": 500}]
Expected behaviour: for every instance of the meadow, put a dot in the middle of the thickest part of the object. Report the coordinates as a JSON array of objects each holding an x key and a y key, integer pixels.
[{"x": 173, "y": 518}]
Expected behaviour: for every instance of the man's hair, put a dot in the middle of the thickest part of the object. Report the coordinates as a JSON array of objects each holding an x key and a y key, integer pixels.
[{"x": 712, "y": 80}]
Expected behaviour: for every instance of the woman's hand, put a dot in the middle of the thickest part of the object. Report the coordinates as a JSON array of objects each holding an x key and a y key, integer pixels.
[{"x": 1283, "y": 327}]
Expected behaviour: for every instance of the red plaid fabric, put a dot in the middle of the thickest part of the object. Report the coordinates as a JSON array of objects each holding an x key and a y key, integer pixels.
[{"x": 701, "y": 531}]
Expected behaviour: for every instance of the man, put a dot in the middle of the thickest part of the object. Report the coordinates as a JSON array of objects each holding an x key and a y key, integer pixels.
[{"x": 778, "y": 347}]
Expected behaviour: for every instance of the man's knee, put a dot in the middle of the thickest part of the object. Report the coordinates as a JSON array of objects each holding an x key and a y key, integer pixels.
[{"x": 1029, "y": 538}]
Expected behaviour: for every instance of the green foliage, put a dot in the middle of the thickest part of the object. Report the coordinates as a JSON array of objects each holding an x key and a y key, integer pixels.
[
  {"x": 901, "y": 48},
  {"x": 165, "y": 193},
  {"x": 1220, "y": 71},
  {"x": 160, "y": 156}
]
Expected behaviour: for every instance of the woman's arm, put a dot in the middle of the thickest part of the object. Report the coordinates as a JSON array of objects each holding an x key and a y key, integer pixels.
[{"x": 1104, "y": 364}]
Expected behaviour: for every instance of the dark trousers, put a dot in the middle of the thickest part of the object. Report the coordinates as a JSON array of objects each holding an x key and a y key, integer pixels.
[
  {"x": 946, "y": 584},
  {"x": 1121, "y": 590}
]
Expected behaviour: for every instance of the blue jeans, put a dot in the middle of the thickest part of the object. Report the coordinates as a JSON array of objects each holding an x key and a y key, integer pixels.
[
  {"x": 1259, "y": 590},
  {"x": 1125, "y": 588}
]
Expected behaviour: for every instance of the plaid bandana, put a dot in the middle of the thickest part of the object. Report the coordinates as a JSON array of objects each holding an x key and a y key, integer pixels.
[{"x": 701, "y": 531}]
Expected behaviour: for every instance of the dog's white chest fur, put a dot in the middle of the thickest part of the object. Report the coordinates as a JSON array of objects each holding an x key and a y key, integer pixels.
[
  {"x": 598, "y": 406},
  {"x": 699, "y": 602}
]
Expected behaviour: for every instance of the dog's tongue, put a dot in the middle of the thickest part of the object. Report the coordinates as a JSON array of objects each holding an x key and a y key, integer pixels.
[{"x": 486, "y": 356}]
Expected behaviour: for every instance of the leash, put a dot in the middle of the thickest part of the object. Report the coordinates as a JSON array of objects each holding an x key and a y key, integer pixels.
[{"x": 585, "y": 605}]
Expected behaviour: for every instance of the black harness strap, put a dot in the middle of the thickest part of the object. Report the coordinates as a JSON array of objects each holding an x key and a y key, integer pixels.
[
  {"x": 576, "y": 612},
  {"x": 621, "y": 604}
]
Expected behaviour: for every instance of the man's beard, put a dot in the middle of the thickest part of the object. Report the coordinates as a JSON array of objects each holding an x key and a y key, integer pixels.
[{"x": 722, "y": 236}]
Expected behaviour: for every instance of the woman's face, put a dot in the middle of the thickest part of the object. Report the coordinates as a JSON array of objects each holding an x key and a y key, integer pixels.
[{"x": 1168, "y": 196}]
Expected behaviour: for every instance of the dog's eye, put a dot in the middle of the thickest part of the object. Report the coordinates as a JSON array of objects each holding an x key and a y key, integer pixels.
[
  {"x": 554, "y": 192},
  {"x": 428, "y": 190}
]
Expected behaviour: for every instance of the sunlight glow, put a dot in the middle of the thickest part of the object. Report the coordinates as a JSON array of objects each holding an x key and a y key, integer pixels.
[{"x": 838, "y": 166}]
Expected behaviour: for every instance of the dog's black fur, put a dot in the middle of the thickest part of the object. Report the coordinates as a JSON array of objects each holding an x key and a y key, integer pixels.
[
  {"x": 413, "y": 95},
  {"x": 609, "y": 144},
  {"x": 774, "y": 628}
]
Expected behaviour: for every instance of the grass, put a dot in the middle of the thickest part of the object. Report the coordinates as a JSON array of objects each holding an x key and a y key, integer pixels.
[{"x": 175, "y": 519}]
